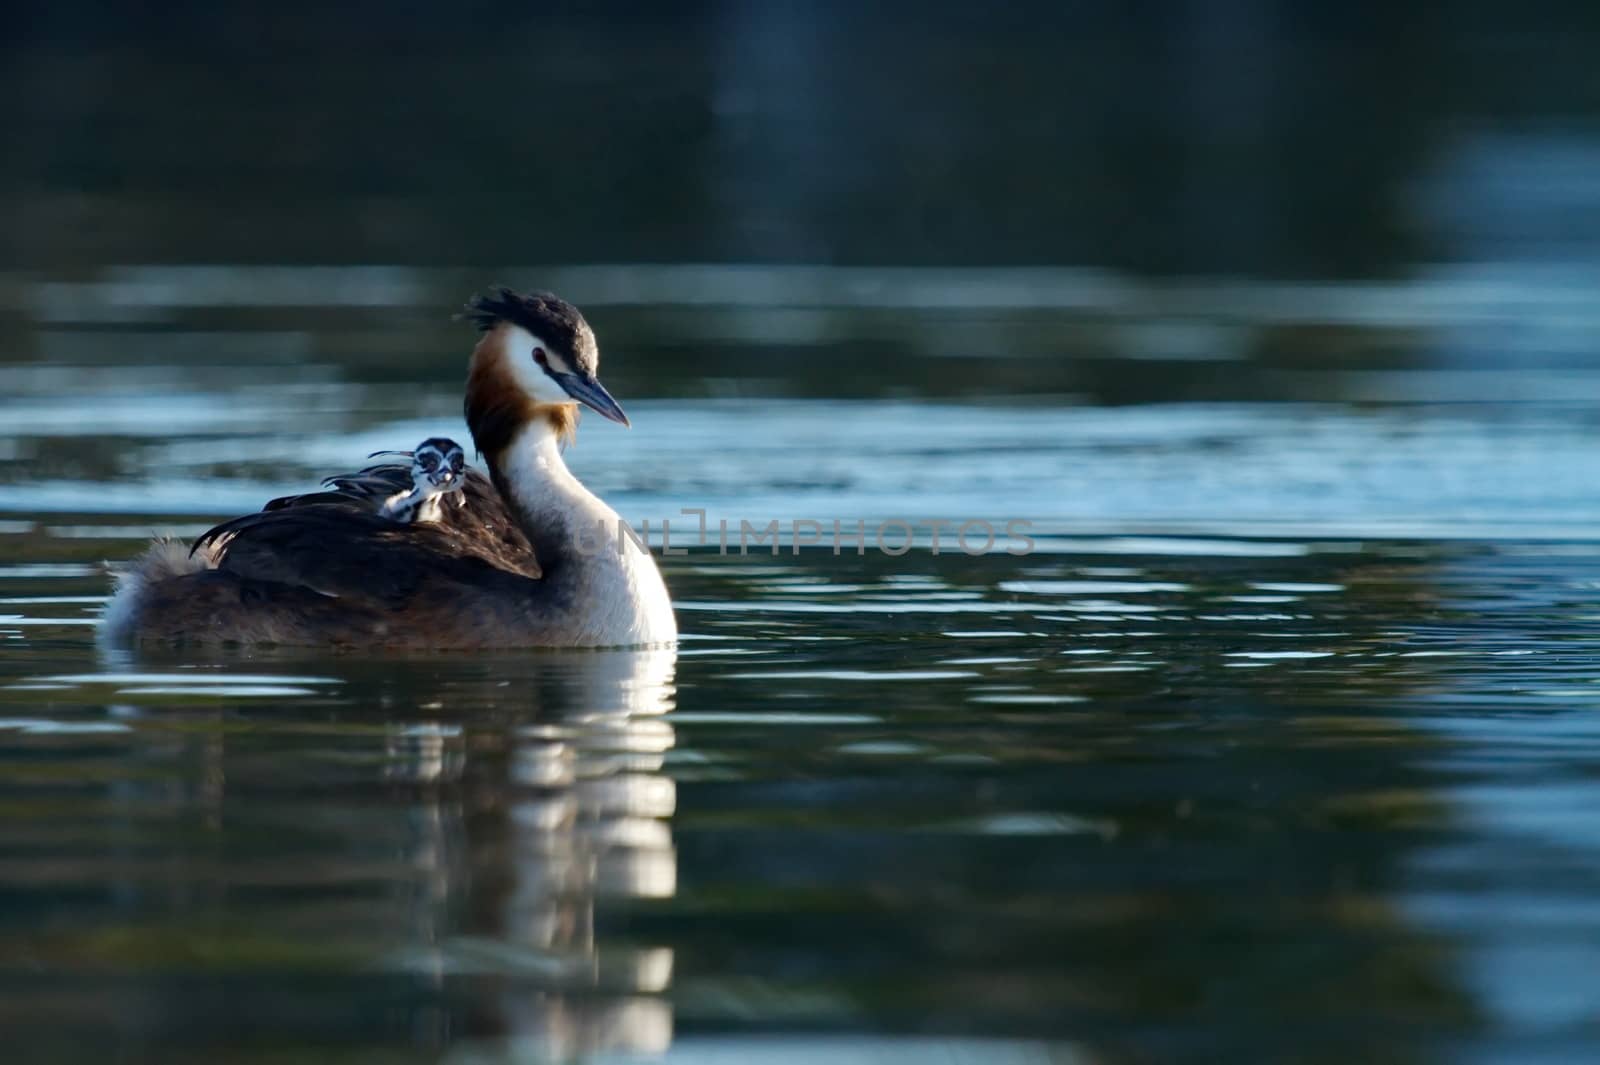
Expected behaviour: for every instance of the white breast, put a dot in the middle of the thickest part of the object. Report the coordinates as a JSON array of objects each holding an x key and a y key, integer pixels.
[
  {"x": 620, "y": 598},
  {"x": 629, "y": 598}
]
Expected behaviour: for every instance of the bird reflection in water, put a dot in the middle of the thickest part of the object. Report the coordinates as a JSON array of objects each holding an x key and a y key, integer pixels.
[
  {"x": 452, "y": 840},
  {"x": 534, "y": 820}
]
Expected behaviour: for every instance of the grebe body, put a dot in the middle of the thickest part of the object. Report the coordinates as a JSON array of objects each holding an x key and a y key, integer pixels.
[{"x": 523, "y": 557}]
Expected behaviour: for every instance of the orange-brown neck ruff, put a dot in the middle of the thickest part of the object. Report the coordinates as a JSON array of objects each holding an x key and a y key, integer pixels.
[{"x": 497, "y": 408}]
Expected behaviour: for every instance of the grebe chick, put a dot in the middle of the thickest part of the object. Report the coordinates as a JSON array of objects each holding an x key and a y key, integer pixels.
[
  {"x": 437, "y": 467},
  {"x": 528, "y": 557}
]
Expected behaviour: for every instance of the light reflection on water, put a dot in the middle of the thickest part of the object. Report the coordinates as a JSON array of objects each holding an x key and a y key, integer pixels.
[
  {"x": 1285, "y": 716},
  {"x": 1221, "y": 471},
  {"x": 591, "y": 853}
]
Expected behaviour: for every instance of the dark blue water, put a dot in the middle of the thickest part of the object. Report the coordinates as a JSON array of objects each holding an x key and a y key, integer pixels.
[{"x": 1277, "y": 742}]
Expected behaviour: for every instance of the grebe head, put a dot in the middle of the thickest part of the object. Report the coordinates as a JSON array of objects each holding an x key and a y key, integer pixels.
[
  {"x": 537, "y": 358},
  {"x": 437, "y": 465}
]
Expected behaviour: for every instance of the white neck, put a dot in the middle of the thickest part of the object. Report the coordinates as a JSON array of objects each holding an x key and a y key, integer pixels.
[
  {"x": 614, "y": 591},
  {"x": 544, "y": 493}
]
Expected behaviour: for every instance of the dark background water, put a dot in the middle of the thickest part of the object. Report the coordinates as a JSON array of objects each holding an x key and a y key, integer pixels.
[
  {"x": 1246, "y": 137},
  {"x": 1276, "y": 321}
]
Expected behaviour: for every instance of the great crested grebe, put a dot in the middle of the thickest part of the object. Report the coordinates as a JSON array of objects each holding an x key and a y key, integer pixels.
[
  {"x": 530, "y": 557},
  {"x": 437, "y": 467}
]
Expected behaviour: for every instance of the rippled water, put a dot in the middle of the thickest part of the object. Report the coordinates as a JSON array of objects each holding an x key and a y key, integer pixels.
[{"x": 1280, "y": 744}]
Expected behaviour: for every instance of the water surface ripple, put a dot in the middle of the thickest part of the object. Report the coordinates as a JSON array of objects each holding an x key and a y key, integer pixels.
[{"x": 1281, "y": 744}]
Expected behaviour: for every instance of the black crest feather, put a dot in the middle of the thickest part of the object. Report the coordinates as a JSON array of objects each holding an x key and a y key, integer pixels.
[{"x": 544, "y": 314}]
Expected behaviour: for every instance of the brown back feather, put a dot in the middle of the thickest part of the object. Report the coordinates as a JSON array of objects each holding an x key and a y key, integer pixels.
[{"x": 297, "y": 539}]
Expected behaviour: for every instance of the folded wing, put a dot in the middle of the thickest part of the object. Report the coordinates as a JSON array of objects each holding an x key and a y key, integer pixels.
[{"x": 334, "y": 542}]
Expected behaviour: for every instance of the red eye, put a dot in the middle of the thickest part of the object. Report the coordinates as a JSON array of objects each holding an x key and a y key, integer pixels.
[{"x": 538, "y": 357}]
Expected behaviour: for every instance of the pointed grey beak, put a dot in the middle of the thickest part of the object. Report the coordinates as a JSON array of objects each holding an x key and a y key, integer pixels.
[{"x": 587, "y": 389}]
